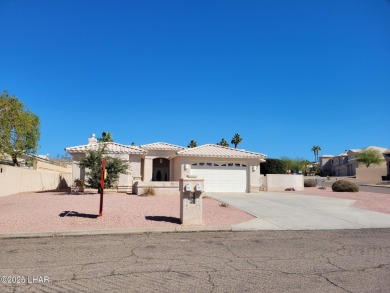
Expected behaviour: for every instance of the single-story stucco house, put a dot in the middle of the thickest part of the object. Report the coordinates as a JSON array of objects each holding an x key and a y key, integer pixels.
[{"x": 162, "y": 165}]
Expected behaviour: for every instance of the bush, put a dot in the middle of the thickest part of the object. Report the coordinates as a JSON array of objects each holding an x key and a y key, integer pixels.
[
  {"x": 272, "y": 166},
  {"x": 310, "y": 183},
  {"x": 344, "y": 186},
  {"x": 148, "y": 191}
]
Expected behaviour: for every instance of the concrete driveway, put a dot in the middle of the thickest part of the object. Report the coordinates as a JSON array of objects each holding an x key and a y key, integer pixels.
[{"x": 292, "y": 211}]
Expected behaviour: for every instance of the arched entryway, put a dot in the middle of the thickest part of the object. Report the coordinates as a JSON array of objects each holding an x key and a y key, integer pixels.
[{"x": 160, "y": 169}]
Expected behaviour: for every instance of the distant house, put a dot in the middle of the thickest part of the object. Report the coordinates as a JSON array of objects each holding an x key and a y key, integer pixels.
[
  {"x": 387, "y": 158},
  {"x": 346, "y": 164},
  {"x": 162, "y": 165}
]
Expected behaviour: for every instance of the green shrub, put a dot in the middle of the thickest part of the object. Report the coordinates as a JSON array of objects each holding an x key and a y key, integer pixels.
[
  {"x": 310, "y": 183},
  {"x": 272, "y": 166},
  {"x": 344, "y": 186}
]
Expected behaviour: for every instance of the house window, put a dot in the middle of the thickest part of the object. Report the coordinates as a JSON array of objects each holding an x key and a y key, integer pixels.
[
  {"x": 230, "y": 164},
  {"x": 216, "y": 164},
  {"x": 209, "y": 164}
]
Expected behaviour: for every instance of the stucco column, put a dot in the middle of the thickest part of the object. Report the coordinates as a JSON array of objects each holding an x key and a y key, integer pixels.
[
  {"x": 148, "y": 169},
  {"x": 135, "y": 167},
  {"x": 254, "y": 176}
]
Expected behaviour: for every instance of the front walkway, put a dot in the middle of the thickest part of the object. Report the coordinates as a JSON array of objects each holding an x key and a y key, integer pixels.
[{"x": 294, "y": 211}]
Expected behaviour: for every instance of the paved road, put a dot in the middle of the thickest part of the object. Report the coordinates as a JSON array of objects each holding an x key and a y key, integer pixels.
[
  {"x": 261, "y": 261},
  {"x": 294, "y": 211}
]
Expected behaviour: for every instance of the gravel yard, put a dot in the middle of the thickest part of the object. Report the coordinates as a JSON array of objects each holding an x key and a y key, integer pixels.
[{"x": 59, "y": 211}]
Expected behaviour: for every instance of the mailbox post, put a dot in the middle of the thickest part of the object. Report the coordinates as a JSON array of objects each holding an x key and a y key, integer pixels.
[{"x": 191, "y": 201}]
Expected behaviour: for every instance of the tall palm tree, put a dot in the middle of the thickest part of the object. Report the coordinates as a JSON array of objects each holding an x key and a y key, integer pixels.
[
  {"x": 315, "y": 149},
  {"x": 192, "y": 144},
  {"x": 236, "y": 140},
  {"x": 223, "y": 142}
]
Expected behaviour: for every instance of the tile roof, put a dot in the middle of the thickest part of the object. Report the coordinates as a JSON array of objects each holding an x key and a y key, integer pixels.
[
  {"x": 111, "y": 147},
  {"x": 217, "y": 151},
  {"x": 370, "y": 147},
  {"x": 162, "y": 146}
]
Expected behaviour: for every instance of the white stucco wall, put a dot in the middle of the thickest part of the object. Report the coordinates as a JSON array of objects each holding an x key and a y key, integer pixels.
[
  {"x": 279, "y": 182},
  {"x": 16, "y": 179}
]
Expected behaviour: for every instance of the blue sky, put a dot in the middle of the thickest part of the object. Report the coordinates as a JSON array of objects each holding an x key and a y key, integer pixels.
[{"x": 285, "y": 75}]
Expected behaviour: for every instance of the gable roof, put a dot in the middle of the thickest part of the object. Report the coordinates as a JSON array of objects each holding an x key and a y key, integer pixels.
[
  {"x": 162, "y": 146},
  {"x": 217, "y": 151},
  {"x": 111, "y": 148}
]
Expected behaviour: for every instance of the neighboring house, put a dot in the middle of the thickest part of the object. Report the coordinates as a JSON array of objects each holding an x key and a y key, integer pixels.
[
  {"x": 162, "y": 165},
  {"x": 346, "y": 164},
  {"x": 387, "y": 158},
  {"x": 326, "y": 164}
]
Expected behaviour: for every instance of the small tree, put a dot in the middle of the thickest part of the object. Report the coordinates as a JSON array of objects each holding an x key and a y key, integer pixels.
[
  {"x": 19, "y": 128},
  {"x": 237, "y": 139},
  {"x": 294, "y": 164},
  {"x": 223, "y": 142},
  {"x": 192, "y": 144},
  {"x": 369, "y": 156},
  {"x": 92, "y": 162}
]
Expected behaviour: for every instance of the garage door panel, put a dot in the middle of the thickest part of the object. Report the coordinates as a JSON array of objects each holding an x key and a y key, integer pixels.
[{"x": 222, "y": 178}]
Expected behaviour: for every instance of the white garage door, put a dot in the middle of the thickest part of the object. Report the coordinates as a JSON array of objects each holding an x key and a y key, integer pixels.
[{"x": 221, "y": 177}]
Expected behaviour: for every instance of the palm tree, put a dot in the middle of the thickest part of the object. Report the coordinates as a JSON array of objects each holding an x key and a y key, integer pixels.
[
  {"x": 106, "y": 137},
  {"x": 223, "y": 142},
  {"x": 192, "y": 144},
  {"x": 236, "y": 140},
  {"x": 315, "y": 149}
]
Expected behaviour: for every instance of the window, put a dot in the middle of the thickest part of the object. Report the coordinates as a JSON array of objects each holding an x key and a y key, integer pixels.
[
  {"x": 209, "y": 164},
  {"x": 230, "y": 164},
  {"x": 216, "y": 164}
]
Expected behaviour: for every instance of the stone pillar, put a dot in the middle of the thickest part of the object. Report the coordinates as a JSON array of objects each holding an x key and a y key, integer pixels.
[{"x": 191, "y": 201}]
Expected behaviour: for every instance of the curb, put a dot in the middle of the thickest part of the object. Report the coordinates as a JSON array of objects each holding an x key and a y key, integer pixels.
[
  {"x": 376, "y": 185},
  {"x": 149, "y": 230}
]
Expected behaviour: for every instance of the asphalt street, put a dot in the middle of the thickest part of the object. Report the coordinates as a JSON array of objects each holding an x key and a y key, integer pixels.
[{"x": 258, "y": 261}]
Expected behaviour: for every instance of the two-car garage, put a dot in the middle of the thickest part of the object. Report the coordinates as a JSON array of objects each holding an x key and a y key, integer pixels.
[{"x": 222, "y": 177}]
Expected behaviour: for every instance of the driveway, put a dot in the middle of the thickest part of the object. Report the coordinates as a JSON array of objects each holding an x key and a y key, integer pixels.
[{"x": 293, "y": 211}]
